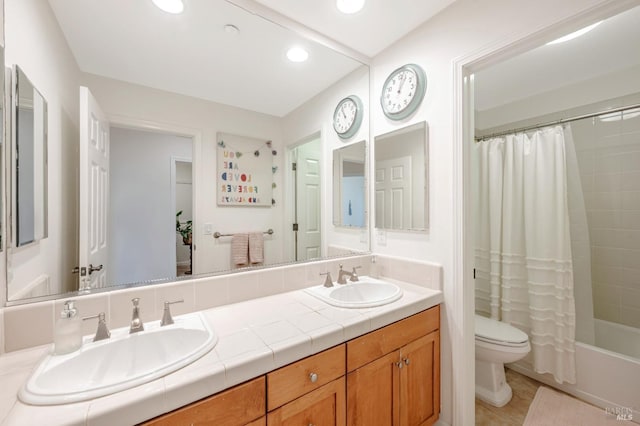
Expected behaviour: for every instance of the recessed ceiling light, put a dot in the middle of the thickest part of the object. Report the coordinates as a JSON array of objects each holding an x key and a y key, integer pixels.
[
  {"x": 297, "y": 54},
  {"x": 349, "y": 6},
  {"x": 170, "y": 6},
  {"x": 574, "y": 34}
]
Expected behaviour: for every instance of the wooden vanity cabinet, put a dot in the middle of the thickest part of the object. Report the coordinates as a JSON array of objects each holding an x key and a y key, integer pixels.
[
  {"x": 393, "y": 373},
  {"x": 244, "y": 404},
  {"x": 390, "y": 376}
]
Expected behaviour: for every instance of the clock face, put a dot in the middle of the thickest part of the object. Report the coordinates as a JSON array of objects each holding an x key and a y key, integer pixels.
[
  {"x": 348, "y": 116},
  {"x": 403, "y": 91}
]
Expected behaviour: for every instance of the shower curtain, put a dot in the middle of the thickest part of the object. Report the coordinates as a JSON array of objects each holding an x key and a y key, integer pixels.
[{"x": 523, "y": 249}]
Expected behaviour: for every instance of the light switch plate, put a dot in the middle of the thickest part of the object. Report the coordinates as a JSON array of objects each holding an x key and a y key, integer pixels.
[
  {"x": 381, "y": 237},
  {"x": 208, "y": 228}
]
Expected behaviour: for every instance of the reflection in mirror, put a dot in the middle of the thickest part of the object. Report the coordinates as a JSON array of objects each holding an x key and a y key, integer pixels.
[
  {"x": 349, "y": 184},
  {"x": 401, "y": 179},
  {"x": 2, "y": 146},
  {"x": 30, "y": 162},
  {"x": 215, "y": 82},
  {"x": 306, "y": 176}
]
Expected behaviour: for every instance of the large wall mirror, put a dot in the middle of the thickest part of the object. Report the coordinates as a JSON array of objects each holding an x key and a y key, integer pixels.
[
  {"x": 401, "y": 179},
  {"x": 164, "y": 96},
  {"x": 29, "y": 168},
  {"x": 349, "y": 185}
]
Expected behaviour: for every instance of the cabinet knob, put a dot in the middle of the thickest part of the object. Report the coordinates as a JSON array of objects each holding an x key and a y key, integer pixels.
[
  {"x": 311, "y": 424},
  {"x": 399, "y": 364},
  {"x": 313, "y": 377},
  {"x": 406, "y": 361}
]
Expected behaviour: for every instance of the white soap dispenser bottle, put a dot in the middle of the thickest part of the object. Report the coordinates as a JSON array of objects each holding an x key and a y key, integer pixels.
[{"x": 68, "y": 331}]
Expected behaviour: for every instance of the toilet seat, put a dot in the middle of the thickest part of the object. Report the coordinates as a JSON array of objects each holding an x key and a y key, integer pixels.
[{"x": 499, "y": 333}]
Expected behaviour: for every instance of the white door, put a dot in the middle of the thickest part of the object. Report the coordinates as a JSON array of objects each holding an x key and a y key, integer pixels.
[
  {"x": 94, "y": 192},
  {"x": 308, "y": 201},
  {"x": 393, "y": 193}
]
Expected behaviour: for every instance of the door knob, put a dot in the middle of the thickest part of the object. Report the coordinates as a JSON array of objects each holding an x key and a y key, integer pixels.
[{"x": 93, "y": 269}]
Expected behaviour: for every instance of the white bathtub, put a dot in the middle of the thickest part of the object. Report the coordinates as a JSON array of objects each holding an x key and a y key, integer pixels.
[
  {"x": 618, "y": 338},
  {"x": 605, "y": 378}
]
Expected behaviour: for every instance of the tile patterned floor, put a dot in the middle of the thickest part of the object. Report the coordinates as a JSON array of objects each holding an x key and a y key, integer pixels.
[{"x": 514, "y": 413}]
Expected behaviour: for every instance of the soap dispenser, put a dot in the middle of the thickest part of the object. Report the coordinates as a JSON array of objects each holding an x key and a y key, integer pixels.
[{"x": 68, "y": 331}]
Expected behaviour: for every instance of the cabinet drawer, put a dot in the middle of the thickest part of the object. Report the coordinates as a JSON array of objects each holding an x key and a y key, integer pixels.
[
  {"x": 376, "y": 344},
  {"x": 239, "y": 405},
  {"x": 325, "y": 406},
  {"x": 301, "y": 377}
]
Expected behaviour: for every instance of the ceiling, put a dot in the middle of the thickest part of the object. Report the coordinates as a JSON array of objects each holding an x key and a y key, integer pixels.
[
  {"x": 378, "y": 25},
  {"x": 191, "y": 54},
  {"x": 614, "y": 45}
]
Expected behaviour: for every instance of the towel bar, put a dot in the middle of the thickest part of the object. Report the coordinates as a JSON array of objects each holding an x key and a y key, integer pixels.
[{"x": 218, "y": 235}]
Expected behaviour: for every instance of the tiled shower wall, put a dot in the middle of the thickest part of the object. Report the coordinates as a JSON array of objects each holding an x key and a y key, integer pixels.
[{"x": 608, "y": 151}]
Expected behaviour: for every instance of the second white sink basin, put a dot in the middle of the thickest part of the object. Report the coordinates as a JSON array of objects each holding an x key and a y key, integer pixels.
[
  {"x": 366, "y": 293},
  {"x": 121, "y": 362}
]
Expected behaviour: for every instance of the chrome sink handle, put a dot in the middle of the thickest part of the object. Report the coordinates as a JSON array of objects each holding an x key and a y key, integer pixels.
[
  {"x": 328, "y": 282},
  {"x": 354, "y": 275},
  {"x": 102, "y": 332},
  {"x": 167, "y": 319},
  {"x": 136, "y": 322}
]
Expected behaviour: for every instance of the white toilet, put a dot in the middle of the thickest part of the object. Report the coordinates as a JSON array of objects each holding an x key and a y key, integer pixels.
[{"x": 497, "y": 343}]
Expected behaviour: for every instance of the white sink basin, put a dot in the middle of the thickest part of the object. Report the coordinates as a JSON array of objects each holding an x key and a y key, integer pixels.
[
  {"x": 366, "y": 293},
  {"x": 121, "y": 362}
]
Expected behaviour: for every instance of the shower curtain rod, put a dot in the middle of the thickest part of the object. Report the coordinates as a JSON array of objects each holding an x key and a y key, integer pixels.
[{"x": 552, "y": 123}]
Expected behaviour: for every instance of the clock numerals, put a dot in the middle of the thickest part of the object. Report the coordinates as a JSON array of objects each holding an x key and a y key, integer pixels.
[
  {"x": 403, "y": 91},
  {"x": 347, "y": 116}
]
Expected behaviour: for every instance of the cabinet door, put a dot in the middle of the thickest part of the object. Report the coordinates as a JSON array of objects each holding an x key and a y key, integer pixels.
[
  {"x": 420, "y": 381},
  {"x": 324, "y": 406},
  {"x": 372, "y": 393}
]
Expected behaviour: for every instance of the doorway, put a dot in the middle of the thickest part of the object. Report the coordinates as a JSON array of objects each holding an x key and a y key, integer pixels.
[
  {"x": 146, "y": 169},
  {"x": 182, "y": 202},
  {"x": 306, "y": 166}
]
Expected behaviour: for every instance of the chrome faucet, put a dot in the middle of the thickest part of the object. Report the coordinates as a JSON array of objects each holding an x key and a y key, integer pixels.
[
  {"x": 136, "y": 322},
  {"x": 102, "y": 332},
  {"x": 353, "y": 275}
]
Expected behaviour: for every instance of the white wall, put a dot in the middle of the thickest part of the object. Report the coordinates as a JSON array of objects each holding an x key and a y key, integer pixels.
[
  {"x": 142, "y": 236},
  {"x": 315, "y": 116},
  {"x": 127, "y": 103},
  {"x": 544, "y": 105},
  {"x": 34, "y": 41}
]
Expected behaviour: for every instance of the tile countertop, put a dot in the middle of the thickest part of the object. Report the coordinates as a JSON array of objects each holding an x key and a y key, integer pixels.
[{"x": 255, "y": 337}]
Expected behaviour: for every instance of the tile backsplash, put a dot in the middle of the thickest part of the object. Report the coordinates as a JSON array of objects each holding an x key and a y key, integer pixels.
[{"x": 32, "y": 324}]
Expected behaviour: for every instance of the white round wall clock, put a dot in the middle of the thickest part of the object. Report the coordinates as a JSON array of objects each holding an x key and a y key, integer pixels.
[
  {"x": 347, "y": 116},
  {"x": 403, "y": 91}
]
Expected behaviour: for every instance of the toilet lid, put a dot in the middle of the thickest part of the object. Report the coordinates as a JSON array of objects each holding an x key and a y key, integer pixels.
[{"x": 497, "y": 331}]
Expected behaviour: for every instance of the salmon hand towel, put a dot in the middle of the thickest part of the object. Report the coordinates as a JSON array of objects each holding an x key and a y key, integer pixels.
[
  {"x": 240, "y": 249},
  {"x": 256, "y": 247}
]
